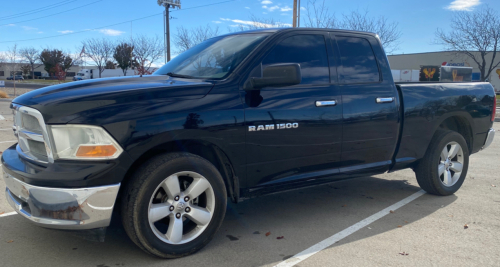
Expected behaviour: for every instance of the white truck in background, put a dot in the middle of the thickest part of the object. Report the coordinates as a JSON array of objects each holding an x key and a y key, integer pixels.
[{"x": 86, "y": 74}]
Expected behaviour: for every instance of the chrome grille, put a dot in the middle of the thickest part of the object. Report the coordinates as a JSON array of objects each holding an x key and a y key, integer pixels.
[{"x": 29, "y": 127}]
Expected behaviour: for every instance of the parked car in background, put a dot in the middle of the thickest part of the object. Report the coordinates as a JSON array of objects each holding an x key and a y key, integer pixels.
[
  {"x": 17, "y": 77},
  {"x": 237, "y": 116}
]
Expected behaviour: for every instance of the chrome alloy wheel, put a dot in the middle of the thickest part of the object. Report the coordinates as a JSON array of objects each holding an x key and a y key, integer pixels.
[
  {"x": 181, "y": 207},
  {"x": 450, "y": 164}
]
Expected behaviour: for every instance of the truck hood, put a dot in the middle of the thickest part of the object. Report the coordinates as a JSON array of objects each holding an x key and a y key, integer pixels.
[{"x": 63, "y": 103}]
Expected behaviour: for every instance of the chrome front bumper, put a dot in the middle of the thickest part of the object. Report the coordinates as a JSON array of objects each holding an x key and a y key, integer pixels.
[
  {"x": 61, "y": 208},
  {"x": 489, "y": 138}
]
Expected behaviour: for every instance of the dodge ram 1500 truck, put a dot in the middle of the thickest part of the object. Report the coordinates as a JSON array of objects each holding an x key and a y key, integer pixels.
[{"x": 237, "y": 116}]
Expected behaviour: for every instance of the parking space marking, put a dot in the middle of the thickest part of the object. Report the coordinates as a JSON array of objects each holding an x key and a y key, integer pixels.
[
  {"x": 301, "y": 256},
  {"x": 8, "y": 141},
  {"x": 8, "y": 214},
  {"x": 7, "y": 129}
]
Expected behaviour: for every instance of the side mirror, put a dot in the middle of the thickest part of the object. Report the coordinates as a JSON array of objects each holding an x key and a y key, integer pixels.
[{"x": 285, "y": 74}]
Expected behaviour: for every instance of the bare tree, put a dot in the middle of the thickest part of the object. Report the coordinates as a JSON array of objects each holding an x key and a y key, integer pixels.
[
  {"x": 319, "y": 16},
  {"x": 147, "y": 50},
  {"x": 475, "y": 34},
  {"x": 387, "y": 31},
  {"x": 185, "y": 39},
  {"x": 98, "y": 50},
  {"x": 12, "y": 58},
  {"x": 32, "y": 56}
]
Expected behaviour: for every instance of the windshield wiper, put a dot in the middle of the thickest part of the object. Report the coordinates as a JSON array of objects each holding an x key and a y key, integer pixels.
[{"x": 180, "y": 75}]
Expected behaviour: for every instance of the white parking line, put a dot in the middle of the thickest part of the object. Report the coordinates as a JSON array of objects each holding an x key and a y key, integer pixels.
[
  {"x": 8, "y": 214},
  {"x": 8, "y": 141},
  {"x": 7, "y": 129},
  {"x": 297, "y": 258}
]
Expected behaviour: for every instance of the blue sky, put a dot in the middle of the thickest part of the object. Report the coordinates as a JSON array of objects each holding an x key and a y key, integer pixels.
[{"x": 417, "y": 20}]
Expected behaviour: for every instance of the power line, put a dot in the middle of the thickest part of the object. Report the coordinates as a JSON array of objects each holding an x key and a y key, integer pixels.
[
  {"x": 33, "y": 11},
  {"x": 53, "y": 14},
  {"x": 111, "y": 25}
]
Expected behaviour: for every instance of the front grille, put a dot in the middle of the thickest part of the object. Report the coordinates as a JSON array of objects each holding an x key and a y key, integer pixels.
[{"x": 30, "y": 130}]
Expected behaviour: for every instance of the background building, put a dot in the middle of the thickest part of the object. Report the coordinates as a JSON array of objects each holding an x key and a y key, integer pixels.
[{"x": 415, "y": 61}]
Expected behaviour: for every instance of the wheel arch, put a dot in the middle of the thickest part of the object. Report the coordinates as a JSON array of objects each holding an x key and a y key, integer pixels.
[
  {"x": 461, "y": 123},
  {"x": 204, "y": 149}
]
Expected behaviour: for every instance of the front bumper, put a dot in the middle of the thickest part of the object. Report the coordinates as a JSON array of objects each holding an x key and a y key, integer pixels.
[
  {"x": 489, "y": 138},
  {"x": 62, "y": 208}
]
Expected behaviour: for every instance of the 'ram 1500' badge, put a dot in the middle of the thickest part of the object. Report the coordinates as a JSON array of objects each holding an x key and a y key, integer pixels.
[{"x": 273, "y": 127}]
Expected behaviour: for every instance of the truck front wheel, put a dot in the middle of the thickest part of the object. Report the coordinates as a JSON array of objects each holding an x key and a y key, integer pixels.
[
  {"x": 443, "y": 169},
  {"x": 174, "y": 204}
]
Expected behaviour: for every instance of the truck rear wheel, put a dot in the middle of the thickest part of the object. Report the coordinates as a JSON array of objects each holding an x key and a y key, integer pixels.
[
  {"x": 174, "y": 204},
  {"x": 443, "y": 169}
]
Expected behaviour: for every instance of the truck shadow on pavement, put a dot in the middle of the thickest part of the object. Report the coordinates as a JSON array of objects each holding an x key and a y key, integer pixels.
[{"x": 258, "y": 231}]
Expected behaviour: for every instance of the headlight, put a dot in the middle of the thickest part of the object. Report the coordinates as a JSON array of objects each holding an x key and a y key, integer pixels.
[{"x": 83, "y": 142}]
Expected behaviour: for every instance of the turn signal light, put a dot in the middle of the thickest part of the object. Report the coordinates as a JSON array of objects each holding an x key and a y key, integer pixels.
[{"x": 96, "y": 151}]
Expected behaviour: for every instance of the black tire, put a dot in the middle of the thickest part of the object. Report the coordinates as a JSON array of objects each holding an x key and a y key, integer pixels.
[
  {"x": 138, "y": 191},
  {"x": 427, "y": 169}
]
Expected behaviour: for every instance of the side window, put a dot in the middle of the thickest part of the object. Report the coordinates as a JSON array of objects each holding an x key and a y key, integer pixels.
[
  {"x": 358, "y": 61},
  {"x": 309, "y": 50}
]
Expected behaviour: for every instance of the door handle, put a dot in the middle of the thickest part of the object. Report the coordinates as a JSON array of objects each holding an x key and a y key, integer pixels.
[
  {"x": 326, "y": 103},
  {"x": 381, "y": 100}
]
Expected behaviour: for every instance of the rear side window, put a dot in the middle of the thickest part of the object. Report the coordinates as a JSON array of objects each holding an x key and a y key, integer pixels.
[
  {"x": 358, "y": 61},
  {"x": 309, "y": 50}
]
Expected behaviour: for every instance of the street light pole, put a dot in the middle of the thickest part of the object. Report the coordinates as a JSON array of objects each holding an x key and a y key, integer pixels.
[{"x": 294, "y": 13}]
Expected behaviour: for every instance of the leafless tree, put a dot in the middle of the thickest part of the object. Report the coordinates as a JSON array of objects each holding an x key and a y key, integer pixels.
[
  {"x": 361, "y": 21},
  {"x": 187, "y": 38},
  {"x": 318, "y": 15},
  {"x": 147, "y": 50},
  {"x": 475, "y": 34},
  {"x": 100, "y": 51},
  {"x": 13, "y": 58},
  {"x": 31, "y": 56}
]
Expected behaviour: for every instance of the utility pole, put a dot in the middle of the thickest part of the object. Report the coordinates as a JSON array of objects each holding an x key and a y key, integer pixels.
[
  {"x": 294, "y": 13},
  {"x": 298, "y": 17},
  {"x": 168, "y": 4}
]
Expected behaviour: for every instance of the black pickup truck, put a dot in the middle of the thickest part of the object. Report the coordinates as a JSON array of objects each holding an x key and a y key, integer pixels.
[{"x": 234, "y": 117}]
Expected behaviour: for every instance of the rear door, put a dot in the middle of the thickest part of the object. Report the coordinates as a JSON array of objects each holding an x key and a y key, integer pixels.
[
  {"x": 293, "y": 137},
  {"x": 370, "y": 106}
]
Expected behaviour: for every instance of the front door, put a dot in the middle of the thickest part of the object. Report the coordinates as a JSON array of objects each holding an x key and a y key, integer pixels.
[{"x": 295, "y": 132}]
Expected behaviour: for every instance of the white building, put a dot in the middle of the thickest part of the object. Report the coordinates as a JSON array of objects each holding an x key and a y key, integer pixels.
[{"x": 415, "y": 61}]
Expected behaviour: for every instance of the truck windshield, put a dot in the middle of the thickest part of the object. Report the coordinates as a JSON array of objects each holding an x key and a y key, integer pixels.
[{"x": 214, "y": 58}]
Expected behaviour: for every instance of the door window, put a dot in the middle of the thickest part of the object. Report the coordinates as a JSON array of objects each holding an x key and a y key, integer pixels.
[
  {"x": 358, "y": 61},
  {"x": 308, "y": 50}
]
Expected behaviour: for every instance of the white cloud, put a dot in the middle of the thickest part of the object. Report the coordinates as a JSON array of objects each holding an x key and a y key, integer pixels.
[
  {"x": 286, "y": 8},
  {"x": 255, "y": 23},
  {"x": 39, "y": 32},
  {"x": 11, "y": 25},
  {"x": 111, "y": 32},
  {"x": 216, "y": 21},
  {"x": 65, "y": 32},
  {"x": 463, "y": 5},
  {"x": 272, "y": 8},
  {"x": 302, "y": 8},
  {"x": 28, "y": 28},
  {"x": 266, "y": 2},
  {"x": 247, "y": 7}
]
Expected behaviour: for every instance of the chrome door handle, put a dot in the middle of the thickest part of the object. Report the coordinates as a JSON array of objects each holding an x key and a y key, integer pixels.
[
  {"x": 381, "y": 100},
  {"x": 326, "y": 103}
]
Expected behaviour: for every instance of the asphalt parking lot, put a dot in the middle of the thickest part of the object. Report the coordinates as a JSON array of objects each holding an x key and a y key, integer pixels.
[{"x": 458, "y": 230}]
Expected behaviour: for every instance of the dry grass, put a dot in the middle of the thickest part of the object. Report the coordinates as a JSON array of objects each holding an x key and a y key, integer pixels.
[{"x": 3, "y": 94}]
